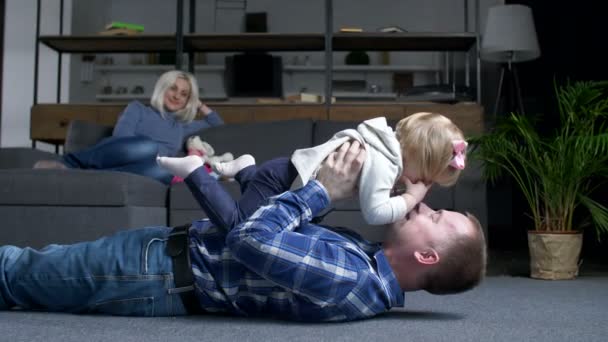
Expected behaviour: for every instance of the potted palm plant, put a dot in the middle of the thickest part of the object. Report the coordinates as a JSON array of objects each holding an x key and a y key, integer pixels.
[{"x": 556, "y": 173}]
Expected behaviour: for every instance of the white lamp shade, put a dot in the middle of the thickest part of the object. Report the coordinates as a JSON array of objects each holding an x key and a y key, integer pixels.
[{"x": 510, "y": 35}]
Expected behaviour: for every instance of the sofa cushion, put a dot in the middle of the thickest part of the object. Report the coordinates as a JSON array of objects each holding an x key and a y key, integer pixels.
[
  {"x": 23, "y": 157},
  {"x": 324, "y": 130},
  {"x": 263, "y": 140},
  {"x": 39, "y": 225},
  {"x": 79, "y": 188}
]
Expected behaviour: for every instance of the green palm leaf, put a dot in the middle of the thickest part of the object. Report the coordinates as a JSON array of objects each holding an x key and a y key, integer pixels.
[{"x": 555, "y": 173}]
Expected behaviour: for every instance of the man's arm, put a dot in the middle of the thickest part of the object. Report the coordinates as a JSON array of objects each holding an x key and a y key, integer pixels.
[{"x": 277, "y": 243}]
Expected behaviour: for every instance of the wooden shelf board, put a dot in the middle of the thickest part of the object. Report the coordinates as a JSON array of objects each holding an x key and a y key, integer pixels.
[
  {"x": 373, "y": 41},
  {"x": 407, "y": 41},
  {"x": 255, "y": 42},
  {"x": 110, "y": 44}
]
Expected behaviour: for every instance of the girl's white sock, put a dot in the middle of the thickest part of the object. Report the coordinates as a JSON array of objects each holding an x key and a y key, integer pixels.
[{"x": 180, "y": 167}]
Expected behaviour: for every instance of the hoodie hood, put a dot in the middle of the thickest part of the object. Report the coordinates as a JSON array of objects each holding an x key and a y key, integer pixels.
[{"x": 379, "y": 135}]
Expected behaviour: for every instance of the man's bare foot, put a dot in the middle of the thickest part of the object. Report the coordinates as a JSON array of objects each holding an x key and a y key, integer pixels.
[{"x": 49, "y": 164}]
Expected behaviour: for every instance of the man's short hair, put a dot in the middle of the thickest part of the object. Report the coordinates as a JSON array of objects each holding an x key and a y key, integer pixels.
[{"x": 462, "y": 263}]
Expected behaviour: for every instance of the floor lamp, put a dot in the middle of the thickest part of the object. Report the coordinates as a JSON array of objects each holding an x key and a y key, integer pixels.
[{"x": 509, "y": 37}]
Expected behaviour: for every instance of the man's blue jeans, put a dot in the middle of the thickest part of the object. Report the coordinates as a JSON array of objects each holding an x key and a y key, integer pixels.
[
  {"x": 127, "y": 154},
  {"x": 128, "y": 274}
]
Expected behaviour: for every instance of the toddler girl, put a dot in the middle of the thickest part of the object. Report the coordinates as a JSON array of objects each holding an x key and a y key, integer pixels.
[{"x": 425, "y": 148}]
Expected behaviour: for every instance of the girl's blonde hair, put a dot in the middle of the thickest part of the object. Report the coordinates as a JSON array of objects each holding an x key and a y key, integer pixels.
[
  {"x": 426, "y": 140},
  {"x": 167, "y": 80}
]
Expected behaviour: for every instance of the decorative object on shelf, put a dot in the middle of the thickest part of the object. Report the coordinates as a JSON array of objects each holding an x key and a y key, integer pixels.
[
  {"x": 152, "y": 58},
  {"x": 137, "y": 90},
  {"x": 349, "y": 85},
  {"x": 106, "y": 90},
  {"x": 107, "y": 60},
  {"x": 86, "y": 68},
  {"x": 385, "y": 57},
  {"x": 120, "y": 24},
  {"x": 307, "y": 98},
  {"x": 200, "y": 58},
  {"x": 117, "y": 28},
  {"x": 402, "y": 81},
  {"x": 256, "y": 22},
  {"x": 295, "y": 60},
  {"x": 254, "y": 75},
  {"x": 121, "y": 90},
  {"x": 136, "y": 59},
  {"x": 307, "y": 60},
  {"x": 166, "y": 58},
  {"x": 350, "y": 29},
  {"x": 509, "y": 37},
  {"x": 391, "y": 29},
  {"x": 356, "y": 58},
  {"x": 375, "y": 88},
  {"x": 557, "y": 173}
]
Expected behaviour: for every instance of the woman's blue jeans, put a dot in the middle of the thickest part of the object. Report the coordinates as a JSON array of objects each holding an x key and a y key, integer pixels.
[
  {"x": 128, "y": 274},
  {"x": 257, "y": 184},
  {"x": 127, "y": 154}
]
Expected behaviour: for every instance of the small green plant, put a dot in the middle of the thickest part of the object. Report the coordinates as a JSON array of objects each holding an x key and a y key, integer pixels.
[{"x": 559, "y": 171}]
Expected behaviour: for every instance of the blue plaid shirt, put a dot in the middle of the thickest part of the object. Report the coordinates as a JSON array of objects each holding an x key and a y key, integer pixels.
[{"x": 277, "y": 263}]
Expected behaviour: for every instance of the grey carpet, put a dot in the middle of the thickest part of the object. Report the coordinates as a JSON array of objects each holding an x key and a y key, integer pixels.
[{"x": 502, "y": 309}]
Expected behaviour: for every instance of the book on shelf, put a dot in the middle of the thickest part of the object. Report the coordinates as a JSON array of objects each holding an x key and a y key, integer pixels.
[
  {"x": 307, "y": 98},
  {"x": 351, "y": 29},
  {"x": 119, "y": 32},
  {"x": 123, "y": 25},
  {"x": 391, "y": 29}
]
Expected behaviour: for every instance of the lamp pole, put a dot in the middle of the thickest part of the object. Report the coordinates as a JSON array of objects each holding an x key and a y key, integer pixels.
[{"x": 514, "y": 88}]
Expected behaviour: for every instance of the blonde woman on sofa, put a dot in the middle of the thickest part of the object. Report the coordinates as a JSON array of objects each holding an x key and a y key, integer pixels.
[{"x": 144, "y": 132}]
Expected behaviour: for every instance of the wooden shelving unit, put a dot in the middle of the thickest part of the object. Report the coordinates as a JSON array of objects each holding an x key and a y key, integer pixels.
[{"x": 180, "y": 43}]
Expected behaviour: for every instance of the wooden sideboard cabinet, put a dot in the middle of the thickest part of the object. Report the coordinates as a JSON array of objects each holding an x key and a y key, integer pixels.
[{"x": 49, "y": 122}]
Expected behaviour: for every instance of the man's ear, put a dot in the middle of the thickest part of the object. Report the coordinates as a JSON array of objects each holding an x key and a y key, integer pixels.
[{"x": 427, "y": 256}]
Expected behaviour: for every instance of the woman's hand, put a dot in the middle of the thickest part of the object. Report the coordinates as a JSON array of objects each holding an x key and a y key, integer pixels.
[{"x": 203, "y": 109}]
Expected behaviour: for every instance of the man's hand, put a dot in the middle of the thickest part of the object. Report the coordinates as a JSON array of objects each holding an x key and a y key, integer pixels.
[{"x": 340, "y": 171}]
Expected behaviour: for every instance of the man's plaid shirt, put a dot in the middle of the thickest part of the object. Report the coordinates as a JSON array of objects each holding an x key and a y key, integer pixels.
[{"x": 278, "y": 263}]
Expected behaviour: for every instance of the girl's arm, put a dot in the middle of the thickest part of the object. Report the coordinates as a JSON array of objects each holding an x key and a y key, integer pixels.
[{"x": 377, "y": 180}]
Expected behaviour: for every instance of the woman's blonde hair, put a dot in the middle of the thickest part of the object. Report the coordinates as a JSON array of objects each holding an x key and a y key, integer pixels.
[
  {"x": 167, "y": 80},
  {"x": 426, "y": 140}
]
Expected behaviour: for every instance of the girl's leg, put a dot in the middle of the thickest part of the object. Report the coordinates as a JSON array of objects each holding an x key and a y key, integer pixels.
[
  {"x": 244, "y": 176},
  {"x": 113, "y": 152},
  {"x": 147, "y": 167},
  {"x": 271, "y": 178},
  {"x": 127, "y": 274}
]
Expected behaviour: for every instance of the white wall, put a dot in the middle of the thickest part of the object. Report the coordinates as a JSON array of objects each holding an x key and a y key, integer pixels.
[{"x": 18, "y": 68}]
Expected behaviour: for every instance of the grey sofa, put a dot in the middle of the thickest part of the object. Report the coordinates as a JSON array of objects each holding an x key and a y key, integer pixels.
[{"x": 63, "y": 206}]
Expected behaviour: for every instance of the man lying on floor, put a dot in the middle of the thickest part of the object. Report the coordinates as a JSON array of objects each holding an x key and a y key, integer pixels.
[{"x": 275, "y": 263}]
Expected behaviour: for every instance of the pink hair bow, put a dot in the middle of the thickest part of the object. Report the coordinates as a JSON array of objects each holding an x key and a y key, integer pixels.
[{"x": 460, "y": 148}]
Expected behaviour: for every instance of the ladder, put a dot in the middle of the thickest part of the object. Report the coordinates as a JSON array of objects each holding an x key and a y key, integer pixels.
[{"x": 227, "y": 5}]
